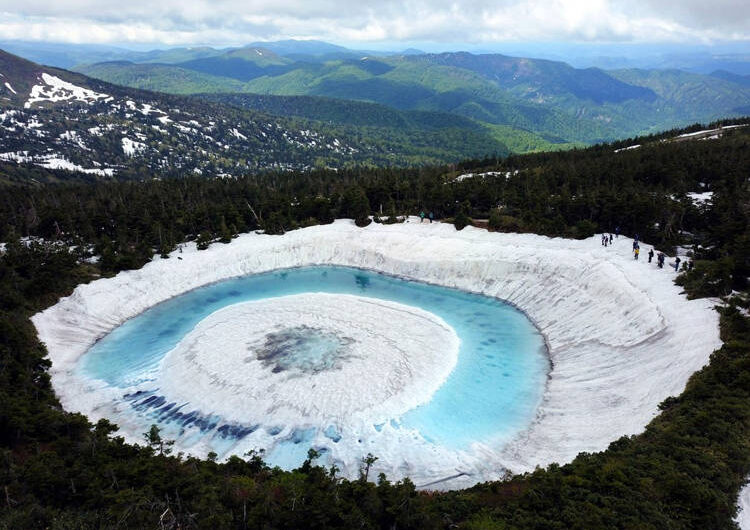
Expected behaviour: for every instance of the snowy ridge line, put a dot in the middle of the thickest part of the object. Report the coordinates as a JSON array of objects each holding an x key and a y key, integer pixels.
[{"x": 621, "y": 337}]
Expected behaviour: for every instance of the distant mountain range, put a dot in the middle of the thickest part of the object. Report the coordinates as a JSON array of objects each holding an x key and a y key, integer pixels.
[
  {"x": 698, "y": 58},
  {"x": 61, "y": 120},
  {"x": 307, "y": 104},
  {"x": 551, "y": 101}
]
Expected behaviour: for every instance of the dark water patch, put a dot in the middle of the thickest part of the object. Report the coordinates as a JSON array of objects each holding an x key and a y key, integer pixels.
[
  {"x": 332, "y": 433},
  {"x": 156, "y": 407},
  {"x": 303, "y": 349}
]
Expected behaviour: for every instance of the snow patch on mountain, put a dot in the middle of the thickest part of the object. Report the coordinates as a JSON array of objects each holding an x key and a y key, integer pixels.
[
  {"x": 237, "y": 134},
  {"x": 466, "y": 176},
  {"x": 55, "y": 89},
  {"x": 628, "y": 148},
  {"x": 58, "y": 162},
  {"x": 20, "y": 157},
  {"x": 74, "y": 138},
  {"x": 701, "y": 198},
  {"x": 131, "y": 147}
]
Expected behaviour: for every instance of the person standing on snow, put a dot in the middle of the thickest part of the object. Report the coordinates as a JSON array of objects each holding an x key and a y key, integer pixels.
[
  {"x": 421, "y": 216},
  {"x": 432, "y": 216},
  {"x": 677, "y": 263},
  {"x": 650, "y": 255},
  {"x": 636, "y": 252}
]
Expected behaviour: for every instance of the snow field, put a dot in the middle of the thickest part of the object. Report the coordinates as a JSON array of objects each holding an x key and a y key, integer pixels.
[{"x": 621, "y": 337}]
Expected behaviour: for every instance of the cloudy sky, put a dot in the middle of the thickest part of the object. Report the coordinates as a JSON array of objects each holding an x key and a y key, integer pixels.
[{"x": 368, "y": 22}]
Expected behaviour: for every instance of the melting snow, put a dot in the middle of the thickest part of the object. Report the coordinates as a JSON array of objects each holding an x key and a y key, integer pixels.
[
  {"x": 73, "y": 137},
  {"x": 237, "y": 134},
  {"x": 58, "y": 90},
  {"x": 636, "y": 146},
  {"x": 706, "y": 132},
  {"x": 606, "y": 381},
  {"x": 20, "y": 157},
  {"x": 58, "y": 162},
  {"x": 701, "y": 198},
  {"x": 131, "y": 147},
  {"x": 465, "y": 176}
]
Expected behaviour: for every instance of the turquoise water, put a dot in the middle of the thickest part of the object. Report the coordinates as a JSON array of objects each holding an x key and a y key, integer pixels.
[{"x": 492, "y": 393}]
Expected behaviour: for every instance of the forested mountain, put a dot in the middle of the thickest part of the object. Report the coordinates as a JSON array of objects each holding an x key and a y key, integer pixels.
[
  {"x": 684, "y": 471},
  {"x": 160, "y": 77},
  {"x": 63, "y": 120},
  {"x": 743, "y": 80},
  {"x": 551, "y": 100}
]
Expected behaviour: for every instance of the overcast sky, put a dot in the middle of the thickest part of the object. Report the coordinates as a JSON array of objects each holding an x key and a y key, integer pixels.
[{"x": 375, "y": 23}]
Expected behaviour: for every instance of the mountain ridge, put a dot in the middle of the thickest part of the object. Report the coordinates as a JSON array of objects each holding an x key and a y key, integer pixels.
[
  {"x": 64, "y": 120},
  {"x": 548, "y": 98}
]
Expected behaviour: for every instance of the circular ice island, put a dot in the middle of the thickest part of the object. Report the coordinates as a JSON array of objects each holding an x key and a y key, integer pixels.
[{"x": 311, "y": 360}]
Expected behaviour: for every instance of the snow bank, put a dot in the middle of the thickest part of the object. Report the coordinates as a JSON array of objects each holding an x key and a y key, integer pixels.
[
  {"x": 621, "y": 336},
  {"x": 628, "y": 148},
  {"x": 743, "y": 517},
  {"x": 59, "y": 162},
  {"x": 701, "y": 198}
]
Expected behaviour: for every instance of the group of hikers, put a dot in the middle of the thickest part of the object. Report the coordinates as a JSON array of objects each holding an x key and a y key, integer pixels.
[
  {"x": 430, "y": 216},
  {"x": 660, "y": 256}
]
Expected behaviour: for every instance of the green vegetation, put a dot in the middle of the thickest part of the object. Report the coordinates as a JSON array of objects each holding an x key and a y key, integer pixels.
[
  {"x": 160, "y": 78},
  {"x": 683, "y": 472},
  {"x": 558, "y": 105},
  {"x": 209, "y": 138}
]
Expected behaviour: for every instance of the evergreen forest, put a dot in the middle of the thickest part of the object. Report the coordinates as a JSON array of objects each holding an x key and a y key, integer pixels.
[{"x": 684, "y": 471}]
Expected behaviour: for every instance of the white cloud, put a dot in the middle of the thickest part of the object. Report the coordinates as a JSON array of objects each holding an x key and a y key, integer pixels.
[{"x": 470, "y": 21}]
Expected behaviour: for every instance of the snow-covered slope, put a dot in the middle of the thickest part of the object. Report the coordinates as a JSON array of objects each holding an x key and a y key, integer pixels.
[
  {"x": 104, "y": 129},
  {"x": 743, "y": 517},
  {"x": 621, "y": 336}
]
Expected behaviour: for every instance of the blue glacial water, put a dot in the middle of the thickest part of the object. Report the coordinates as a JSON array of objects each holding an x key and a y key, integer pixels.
[{"x": 492, "y": 393}]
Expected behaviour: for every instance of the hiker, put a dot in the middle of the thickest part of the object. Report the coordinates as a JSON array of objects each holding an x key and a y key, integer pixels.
[
  {"x": 432, "y": 216},
  {"x": 690, "y": 265},
  {"x": 650, "y": 255},
  {"x": 602, "y": 239},
  {"x": 421, "y": 216},
  {"x": 610, "y": 238},
  {"x": 677, "y": 263},
  {"x": 660, "y": 258},
  {"x": 617, "y": 232},
  {"x": 635, "y": 244},
  {"x": 636, "y": 252}
]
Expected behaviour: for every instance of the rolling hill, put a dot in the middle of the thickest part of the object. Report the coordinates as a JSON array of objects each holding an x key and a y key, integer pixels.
[
  {"x": 551, "y": 100},
  {"x": 63, "y": 120}
]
